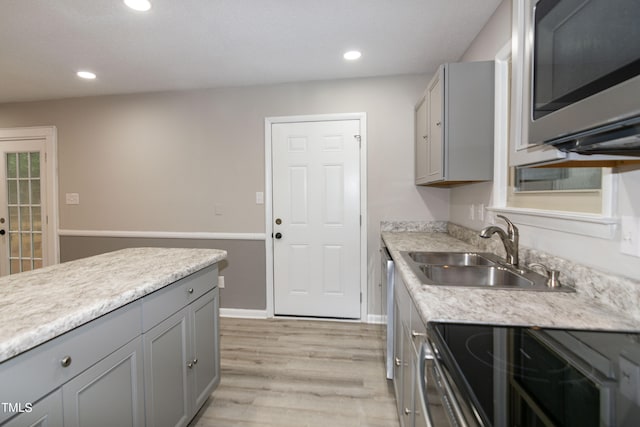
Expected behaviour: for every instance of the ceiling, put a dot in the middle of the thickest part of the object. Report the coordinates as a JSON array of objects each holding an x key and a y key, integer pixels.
[{"x": 185, "y": 44}]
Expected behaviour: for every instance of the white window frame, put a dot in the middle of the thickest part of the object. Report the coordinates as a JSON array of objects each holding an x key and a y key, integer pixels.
[{"x": 594, "y": 225}]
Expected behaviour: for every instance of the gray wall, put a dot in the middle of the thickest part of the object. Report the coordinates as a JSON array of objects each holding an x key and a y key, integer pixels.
[
  {"x": 243, "y": 270},
  {"x": 163, "y": 161}
]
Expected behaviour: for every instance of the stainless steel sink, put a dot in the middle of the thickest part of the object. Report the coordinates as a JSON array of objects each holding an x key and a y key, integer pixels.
[
  {"x": 474, "y": 276},
  {"x": 450, "y": 258},
  {"x": 476, "y": 270}
]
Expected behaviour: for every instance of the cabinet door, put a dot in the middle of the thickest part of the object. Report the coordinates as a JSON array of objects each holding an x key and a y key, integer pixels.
[
  {"x": 46, "y": 413},
  {"x": 397, "y": 354},
  {"x": 205, "y": 368},
  {"x": 421, "y": 142},
  {"x": 165, "y": 371},
  {"x": 110, "y": 393},
  {"x": 407, "y": 378},
  {"x": 435, "y": 155}
]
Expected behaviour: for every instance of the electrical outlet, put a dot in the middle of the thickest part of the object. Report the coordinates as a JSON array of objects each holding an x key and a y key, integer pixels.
[
  {"x": 480, "y": 212},
  {"x": 630, "y": 239},
  {"x": 221, "y": 282}
]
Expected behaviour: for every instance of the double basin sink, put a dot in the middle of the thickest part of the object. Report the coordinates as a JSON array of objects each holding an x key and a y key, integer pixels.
[{"x": 471, "y": 269}]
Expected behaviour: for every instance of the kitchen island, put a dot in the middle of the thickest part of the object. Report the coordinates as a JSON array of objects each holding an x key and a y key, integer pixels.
[
  {"x": 122, "y": 326},
  {"x": 493, "y": 306}
]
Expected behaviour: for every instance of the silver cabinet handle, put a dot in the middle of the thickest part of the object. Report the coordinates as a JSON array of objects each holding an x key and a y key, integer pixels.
[
  {"x": 190, "y": 365},
  {"x": 66, "y": 361},
  {"x": 190, "y": 290},
  {"x": 438, "y": 124},
  {"x": 415, "y": 334},
  {"x": 407, "y": 411},
  {"x": 195, "y": 361},
  {"x": 397, "y": 361}
]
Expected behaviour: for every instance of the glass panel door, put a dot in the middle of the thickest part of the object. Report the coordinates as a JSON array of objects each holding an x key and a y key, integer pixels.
[{"x": 24, "y": 207}]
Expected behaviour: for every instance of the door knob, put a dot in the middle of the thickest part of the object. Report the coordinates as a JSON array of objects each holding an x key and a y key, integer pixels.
[
  {"x": 278, "y": 235},
  {"x": 2, "y": 232}
]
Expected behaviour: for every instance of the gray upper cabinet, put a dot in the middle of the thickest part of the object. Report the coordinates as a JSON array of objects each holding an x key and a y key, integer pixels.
[{"x": 454, "y": 126}]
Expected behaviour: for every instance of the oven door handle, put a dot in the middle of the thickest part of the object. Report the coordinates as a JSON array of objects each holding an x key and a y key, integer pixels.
[{"x": 429, "y": 365}]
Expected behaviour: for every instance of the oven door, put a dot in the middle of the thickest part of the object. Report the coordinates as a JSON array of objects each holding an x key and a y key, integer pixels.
[{"x": 439, "y": 399}]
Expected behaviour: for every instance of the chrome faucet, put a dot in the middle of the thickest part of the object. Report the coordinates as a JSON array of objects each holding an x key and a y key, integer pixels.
[{"x": 509, "y": 239}]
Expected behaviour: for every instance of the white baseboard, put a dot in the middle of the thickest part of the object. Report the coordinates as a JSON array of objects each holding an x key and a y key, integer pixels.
[
  {"x": 243, "y": 314},
  {"x": 376, "y": 319}
]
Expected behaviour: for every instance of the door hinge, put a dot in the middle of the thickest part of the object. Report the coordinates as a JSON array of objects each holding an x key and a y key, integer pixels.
[{"x": 359, "y": 139}]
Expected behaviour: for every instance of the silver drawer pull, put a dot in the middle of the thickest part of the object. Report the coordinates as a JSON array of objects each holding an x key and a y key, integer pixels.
[
  {"x": 407, "y": 411},
  {"x": 397, "y": 361},
  {"x": 66, "y": 361},
  {"x": 195, "y": 361},
  {"x": 190, "y": 290},
  {"x": 415, "y": 334},
  {"x": 190, "y": 365}
]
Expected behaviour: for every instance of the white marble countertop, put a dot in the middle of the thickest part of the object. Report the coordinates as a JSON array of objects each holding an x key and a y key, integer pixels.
[
  {"x": 492, "y": 306},
  {"x": 39, "y": 305}
]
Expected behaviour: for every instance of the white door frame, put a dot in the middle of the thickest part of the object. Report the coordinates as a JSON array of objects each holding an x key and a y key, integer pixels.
[
  {"x": 268, "y": 205},
  {"x": 49, "y": 135}
]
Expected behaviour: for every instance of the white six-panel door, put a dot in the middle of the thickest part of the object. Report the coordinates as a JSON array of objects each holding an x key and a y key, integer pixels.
[{"x": 316, "y": 213}]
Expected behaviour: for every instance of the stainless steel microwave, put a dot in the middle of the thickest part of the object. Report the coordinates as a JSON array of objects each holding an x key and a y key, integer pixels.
[{"x": 583, "y": 68}]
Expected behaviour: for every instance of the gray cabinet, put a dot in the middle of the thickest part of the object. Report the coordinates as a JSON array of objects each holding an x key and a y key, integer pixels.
[
  {"x": 454, "y": 126},
  {"x": 410, "y": 333},
  {"x": 151, "y": 362},
  {"x": 109, "y": 393},
  {"x": 45, "y": 413},
  {"x": 181, "y": 362}
]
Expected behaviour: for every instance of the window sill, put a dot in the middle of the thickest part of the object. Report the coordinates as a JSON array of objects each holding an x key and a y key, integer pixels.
[{"x": 574, "y": 223}]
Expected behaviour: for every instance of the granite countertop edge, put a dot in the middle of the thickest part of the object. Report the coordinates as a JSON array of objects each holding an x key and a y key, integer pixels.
[
  {"x": 491, "y": 306},
  {"x": 40, "y": 305}
]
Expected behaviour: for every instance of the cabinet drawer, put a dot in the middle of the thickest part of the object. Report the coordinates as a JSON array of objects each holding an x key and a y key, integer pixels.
[
  {"x": 163, "y": 303},
  {"x": 35, "y": 373}
]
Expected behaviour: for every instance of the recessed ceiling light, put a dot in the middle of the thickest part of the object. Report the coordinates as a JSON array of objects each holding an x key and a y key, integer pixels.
[
  {"x": 352, "y": 55},
  {"x": 88, "y": 75},
  {"x": 140, "y": 5}
]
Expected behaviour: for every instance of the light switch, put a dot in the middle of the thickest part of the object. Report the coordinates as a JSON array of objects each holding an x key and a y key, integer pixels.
[
  {"x": 221, "y": 282},
  {"x": 72, "y": 198},
  {"x": 259, "y": 198}
]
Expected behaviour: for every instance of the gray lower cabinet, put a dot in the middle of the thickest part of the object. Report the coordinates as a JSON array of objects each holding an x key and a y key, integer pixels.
[
  {"x": 410, "y": 333},
  {"x": 110, "y": 393},
  {"x": 152, "y": 362},
  {"x": 45, "y": 413},
  {"x": 181, "y": 363}
]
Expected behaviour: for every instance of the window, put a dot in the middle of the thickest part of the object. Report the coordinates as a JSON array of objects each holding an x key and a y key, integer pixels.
[
  {"x": 572, "y": 200},
  {"x": 577, "y": 190}
]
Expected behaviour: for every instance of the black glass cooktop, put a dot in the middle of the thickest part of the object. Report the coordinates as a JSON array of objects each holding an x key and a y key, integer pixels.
[{"x": 529, "y": 377}]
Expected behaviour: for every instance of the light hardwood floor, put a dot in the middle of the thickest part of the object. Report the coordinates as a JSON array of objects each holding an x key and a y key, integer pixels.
[{"x": 300, "y": 373}]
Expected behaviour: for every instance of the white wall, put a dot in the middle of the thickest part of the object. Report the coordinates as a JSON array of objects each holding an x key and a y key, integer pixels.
[
  {"x": 161, "y": 162},
  {"x": 603, "y": 254}
]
